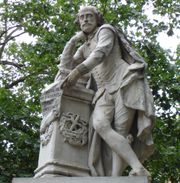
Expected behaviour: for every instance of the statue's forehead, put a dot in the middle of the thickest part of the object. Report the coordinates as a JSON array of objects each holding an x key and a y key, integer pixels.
[{"x": 86, "y": 11}]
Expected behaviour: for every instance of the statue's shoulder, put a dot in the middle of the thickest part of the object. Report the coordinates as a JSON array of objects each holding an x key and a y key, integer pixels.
[
  {"x": 107, "y": 26},
  {"x": 129, "y": 54}
]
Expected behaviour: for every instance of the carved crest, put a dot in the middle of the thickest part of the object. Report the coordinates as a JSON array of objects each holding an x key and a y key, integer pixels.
[{"x": 73, "y": 129}]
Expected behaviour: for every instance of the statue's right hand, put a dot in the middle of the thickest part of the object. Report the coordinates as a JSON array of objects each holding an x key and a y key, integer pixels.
[
  {"x": 71, "y": 79},
  {"x": 64, "y": 83}
]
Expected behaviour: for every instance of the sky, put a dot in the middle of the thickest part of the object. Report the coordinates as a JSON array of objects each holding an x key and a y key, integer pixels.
[{"x": 166, "y": 42}]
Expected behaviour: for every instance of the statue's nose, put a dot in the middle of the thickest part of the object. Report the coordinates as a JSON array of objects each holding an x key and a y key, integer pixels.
[{"x": 85, "y": 19}]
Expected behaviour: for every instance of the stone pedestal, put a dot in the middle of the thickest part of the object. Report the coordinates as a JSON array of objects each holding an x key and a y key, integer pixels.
[
  {"x": 83, "y": 180},
  {"x": 65, "y": 153}
]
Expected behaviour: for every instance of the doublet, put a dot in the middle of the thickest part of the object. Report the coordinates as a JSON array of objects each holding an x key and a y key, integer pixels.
[{"x": 102, "y": 55}]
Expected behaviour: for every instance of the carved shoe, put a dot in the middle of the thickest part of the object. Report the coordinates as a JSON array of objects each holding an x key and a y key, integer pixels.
[{"x": 141, "y": 172}]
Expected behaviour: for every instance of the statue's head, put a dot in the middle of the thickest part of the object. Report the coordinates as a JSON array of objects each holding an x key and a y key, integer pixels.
[{"x": 88, "y": 18}]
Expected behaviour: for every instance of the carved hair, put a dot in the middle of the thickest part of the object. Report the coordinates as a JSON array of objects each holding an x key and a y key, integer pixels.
[{"x": 100, "y": 19}]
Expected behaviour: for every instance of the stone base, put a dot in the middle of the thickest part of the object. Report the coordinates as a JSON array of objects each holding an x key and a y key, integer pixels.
[
  {"x": 62, "y": 151},
  {"x": 82, "y": 180}
]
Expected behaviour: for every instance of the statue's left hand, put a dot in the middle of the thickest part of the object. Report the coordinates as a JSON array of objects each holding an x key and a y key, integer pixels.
[
  {"x": 78, "y": 37},
  {"x": 71, "y": 79}
]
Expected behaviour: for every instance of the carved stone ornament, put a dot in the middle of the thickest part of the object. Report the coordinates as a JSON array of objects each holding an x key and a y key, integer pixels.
[
  {"x": 46, "y": 136},
  {"x": 73, "y": 129}
]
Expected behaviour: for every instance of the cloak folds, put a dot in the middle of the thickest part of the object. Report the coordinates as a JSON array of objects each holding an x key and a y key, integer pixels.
[{"x": 137, "y": 95}]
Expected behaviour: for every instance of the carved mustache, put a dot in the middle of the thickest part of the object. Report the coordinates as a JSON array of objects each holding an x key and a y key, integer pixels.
[{"x": 86, "y": 24}]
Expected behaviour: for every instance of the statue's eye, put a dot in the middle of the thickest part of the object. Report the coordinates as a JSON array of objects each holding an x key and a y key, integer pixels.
[
  {"x": 89, "y": 15},
  {"x": 81, "y": 17}
]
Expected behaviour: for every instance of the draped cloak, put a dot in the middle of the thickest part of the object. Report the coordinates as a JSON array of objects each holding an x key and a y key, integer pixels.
[{"x": 137, "y": 95}]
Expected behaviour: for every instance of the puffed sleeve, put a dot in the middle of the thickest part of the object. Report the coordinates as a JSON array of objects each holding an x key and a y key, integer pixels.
[
  {"x": 78, "y": 56},
  {"x": 69, "y": 57}
]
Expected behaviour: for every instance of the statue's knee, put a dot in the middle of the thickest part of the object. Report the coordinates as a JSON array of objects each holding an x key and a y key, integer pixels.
[
  {"x": 100, "y": 126},
  {"x": 97, "y": 124}
]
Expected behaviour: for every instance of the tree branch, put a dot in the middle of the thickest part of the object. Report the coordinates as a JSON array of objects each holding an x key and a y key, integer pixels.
[
  {"x": 11, "y": 63},
  {"x": 16, "y": 35},
  {"x": 9, "y": 36},
  {"x": 14, "y": 83},
  {"x": 7, "y": 39},
  {"x": 8, "y": 86},
  {"x": 7, "y": 29}
]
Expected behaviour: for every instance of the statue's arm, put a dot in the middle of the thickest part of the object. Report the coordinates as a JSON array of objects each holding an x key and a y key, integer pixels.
[
  {"x": 104, "y": 46},
  {"x": 68, "y": 55},
  {"x": 78, "y": 56}
]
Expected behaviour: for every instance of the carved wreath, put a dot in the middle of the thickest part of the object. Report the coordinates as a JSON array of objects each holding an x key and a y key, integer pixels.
[{"x": 73, "y": 129}]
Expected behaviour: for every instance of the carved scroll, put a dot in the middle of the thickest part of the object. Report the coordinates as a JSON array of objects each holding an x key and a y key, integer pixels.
[
  {"x": 45, "y": 137},
  {"x": 50, "y": 102}
]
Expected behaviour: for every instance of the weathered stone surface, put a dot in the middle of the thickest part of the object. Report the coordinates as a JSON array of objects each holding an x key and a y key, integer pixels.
[
  {"x": 66, "y": 151},
  {"x": 123, "y": 102},
  {"x": 83, "y": 180},
  {"x": 122, "y": 119}
]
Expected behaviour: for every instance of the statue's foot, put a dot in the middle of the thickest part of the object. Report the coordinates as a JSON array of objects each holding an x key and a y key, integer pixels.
[{"x": 141, "y": 172}]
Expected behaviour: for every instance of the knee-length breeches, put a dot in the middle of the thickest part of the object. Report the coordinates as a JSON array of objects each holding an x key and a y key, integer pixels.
[{"x": 110, "y": 112}]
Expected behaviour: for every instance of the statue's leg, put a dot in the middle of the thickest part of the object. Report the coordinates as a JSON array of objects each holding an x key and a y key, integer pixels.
[
  {"x": 103, "y": 113},
  {"x": 122, "y": 125},
  {"x": 123, "y": 119},
  {"x": 118, "y": 165}
]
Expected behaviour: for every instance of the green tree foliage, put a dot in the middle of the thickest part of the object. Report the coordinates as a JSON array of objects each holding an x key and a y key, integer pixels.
[{"x": 25, "y": 67}]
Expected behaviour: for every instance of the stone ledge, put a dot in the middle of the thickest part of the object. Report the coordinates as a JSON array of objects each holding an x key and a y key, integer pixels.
[{"x": 82, "y": 180}]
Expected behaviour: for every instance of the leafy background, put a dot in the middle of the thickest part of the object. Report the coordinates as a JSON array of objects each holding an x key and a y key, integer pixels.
[{"x": 26, "y": 66}]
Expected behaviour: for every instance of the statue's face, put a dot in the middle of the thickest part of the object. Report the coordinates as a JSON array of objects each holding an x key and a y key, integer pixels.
[{"x": 87, "y": 20}]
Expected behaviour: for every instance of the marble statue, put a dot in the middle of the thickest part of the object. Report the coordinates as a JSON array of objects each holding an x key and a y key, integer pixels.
[{"x": 122, "y": 120}]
